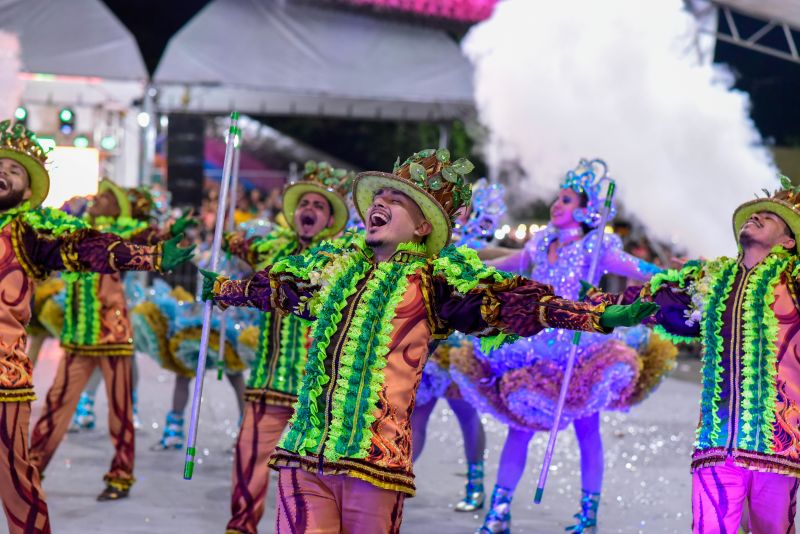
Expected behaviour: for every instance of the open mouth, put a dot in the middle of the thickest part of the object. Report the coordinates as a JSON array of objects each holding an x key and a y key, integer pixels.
[
  {"x": 5, "y": 185},
  {"x": 379, "y": 218},
  {"x": 307, "y": 220}
]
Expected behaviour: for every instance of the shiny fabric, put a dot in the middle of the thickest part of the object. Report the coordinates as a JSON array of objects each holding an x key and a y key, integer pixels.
[
  {"x": 20, "y": 487},
  {"x": 262, "y": 426},
  {"x": 335, "y": 504},
  {"x": 431, "y": 303},
  {"x": 519, "y": 383},
  {"x": 783, "y": 455},
  {"x": 71, "y": 377},
  {"x": 719, "y": 493}
]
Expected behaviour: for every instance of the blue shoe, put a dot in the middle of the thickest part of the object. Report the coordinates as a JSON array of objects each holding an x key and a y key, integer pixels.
[
  {"x": 475, "y": 497},
  {"x": 587, "y": 518},
  {"x": 498, "y": 520},
  {"x": 84, "y": 414},
  {"x": 172, "y": 438}
]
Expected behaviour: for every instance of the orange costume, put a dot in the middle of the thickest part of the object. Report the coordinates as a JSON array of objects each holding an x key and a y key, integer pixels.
[
  {"x": 97, "y": 333},
  {"x": 345, "y": 464}
]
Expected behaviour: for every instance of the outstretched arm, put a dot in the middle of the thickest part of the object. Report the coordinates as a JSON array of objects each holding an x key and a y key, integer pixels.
[{"x": 87, "y": 250}]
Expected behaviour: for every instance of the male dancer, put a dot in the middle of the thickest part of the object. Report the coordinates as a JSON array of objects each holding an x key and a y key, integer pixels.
[
  {"x": 345, "y": 464},
  {"x": 316, "y": 209},
  {"x": 97, "y": 333},
  {"x": 34, "y": 242},
  {"x": 745, "y": 312}
]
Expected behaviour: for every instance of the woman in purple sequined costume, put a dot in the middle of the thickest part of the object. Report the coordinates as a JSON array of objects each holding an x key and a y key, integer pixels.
[{"x": 519, "y": 383}]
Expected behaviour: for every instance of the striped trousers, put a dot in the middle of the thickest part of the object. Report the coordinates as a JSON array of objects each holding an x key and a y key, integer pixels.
[
  {"x": 20, "y": 487},
  {"x": 719, "y": 493},
  {"x": 71, "y": 377},
  {"x": 310, "y": 503}
]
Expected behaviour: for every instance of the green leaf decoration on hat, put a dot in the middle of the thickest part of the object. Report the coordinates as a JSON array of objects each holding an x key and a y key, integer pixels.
[
  {"x": 428, "y": 152},
  {"x": 435, "y": 183},
  {"x": 449, "y": 174},
  {"x": 396, "y": 164},
  {"x": 417, "y": 172},
  {"x": 310, "y": 167},
  {"x": 443, "y": 155},
  {"x": 463, "y": 166}
]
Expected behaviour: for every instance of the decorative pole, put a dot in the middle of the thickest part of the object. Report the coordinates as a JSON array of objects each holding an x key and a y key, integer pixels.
[
  {"x": 229, "y": 227},
  {"x": 573, "y": 350},
  {"x": 233, "y": 131}
]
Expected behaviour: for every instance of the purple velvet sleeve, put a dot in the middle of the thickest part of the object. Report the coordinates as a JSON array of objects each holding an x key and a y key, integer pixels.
[
  {"x": 514, "y": 306},
  {"x": 673, "y": 304},
  {"x": 253, "y": 292},
  {"x": 459, "y": 312}
]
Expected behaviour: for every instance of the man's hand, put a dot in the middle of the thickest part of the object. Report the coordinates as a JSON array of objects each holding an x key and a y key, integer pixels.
[
  {"x": 631, "y": 315},
  {"x": 173, "y": 255},
  {"x": 209, "y": 279},
  {"x": 182, "y": 223}
]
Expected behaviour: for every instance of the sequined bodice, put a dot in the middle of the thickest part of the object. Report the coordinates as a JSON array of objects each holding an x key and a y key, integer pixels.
[{"x": 572, "y": 261}]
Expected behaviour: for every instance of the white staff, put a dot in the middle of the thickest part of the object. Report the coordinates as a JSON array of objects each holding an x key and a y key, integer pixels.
[
  {"x": 233, "y": 131},
  {"x": 573, "y": 351},
  {"x": 230, "y": 226}
]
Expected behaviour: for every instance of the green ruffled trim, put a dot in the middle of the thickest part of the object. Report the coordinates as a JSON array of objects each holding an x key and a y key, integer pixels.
[
  {"x": 292, "y": 356},
  {"x": 363, "y": 359},
  {"x": 463, "y": 269},
  {"x": 124, "y": 227},
  {"x": 48, "y": 220},
  {"x": 276, "y": 245},
  {"x": 68, "y": 331},
  {"x": 759, "y": 366},
  {"x": 687, "y": 273},
  {"x": 722, "y": 273},
  {"x": 302, "y": 265},
  {"x": 306, "y": 429},
  {"x": 82, "y": 324},
  {"x": 258, "y": 377},
  {"x": 673, "y": 338}
]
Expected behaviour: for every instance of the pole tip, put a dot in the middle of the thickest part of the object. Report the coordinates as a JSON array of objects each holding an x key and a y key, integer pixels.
[
  {"x": 235, "y": 115},
  {"x": 188, "y": 470},
  {"x": 537, "y": 499}
]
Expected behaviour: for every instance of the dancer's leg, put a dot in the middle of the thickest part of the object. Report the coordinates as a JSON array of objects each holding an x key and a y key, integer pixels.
[
  {"x": 71, "y": 377},
  {"x": 117, "y": 376},
  {"x": 237, "y": 381},
  {"x": 590, "y": 442},
  {"x": 471, "y": 429},
  {"x": 512, "y": 465},
  {"x": 513, "y": 458},
  {"x": 180, "y": 394},
  {"x": 419, "y": 427}
]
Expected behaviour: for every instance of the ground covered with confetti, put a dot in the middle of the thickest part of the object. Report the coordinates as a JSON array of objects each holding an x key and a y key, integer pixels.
[{"x": 647, "y": 477}]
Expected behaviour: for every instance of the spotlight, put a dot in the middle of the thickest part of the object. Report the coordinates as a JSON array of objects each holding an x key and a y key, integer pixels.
[
  {"x": 66, "y": 118},
  {"x": 108, "y": 143},
  {"x": 80, "y": 141},
  {"x": 21, "y": 115}
]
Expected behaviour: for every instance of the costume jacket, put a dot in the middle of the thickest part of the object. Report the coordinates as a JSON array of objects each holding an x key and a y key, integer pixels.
[
  {"x": 370, "y": 343},
  {"x": 748, "y": 323}
]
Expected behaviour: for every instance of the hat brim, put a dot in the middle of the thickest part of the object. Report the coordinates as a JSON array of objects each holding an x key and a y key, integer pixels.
[
  {"x": 782, "y": 209},
  {"x": 367, "y": 183},
  {"x": 119, "y": 193},
  {"x": 294, "y": 192},
  {"x": 38, "y": 175}
]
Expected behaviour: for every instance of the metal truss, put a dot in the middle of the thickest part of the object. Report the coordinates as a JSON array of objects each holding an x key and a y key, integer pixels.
[{"x": 754, "y": 41}]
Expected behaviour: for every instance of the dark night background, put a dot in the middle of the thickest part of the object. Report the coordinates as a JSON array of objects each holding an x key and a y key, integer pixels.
[{"x": 773, "y": 84}]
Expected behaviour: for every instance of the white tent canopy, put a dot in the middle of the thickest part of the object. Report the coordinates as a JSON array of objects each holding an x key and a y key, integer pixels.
[
  {"x": 75, "y": 38},
  {"x": 272, "y": 57},
  {"x": 74, "y": 52},
  {"x": 787, "y": 11}
]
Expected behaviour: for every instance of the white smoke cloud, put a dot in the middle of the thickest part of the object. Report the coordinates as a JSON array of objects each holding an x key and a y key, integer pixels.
[
  {"x": 620, "y": 80},
  {"x": 10, "y": 84}
]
